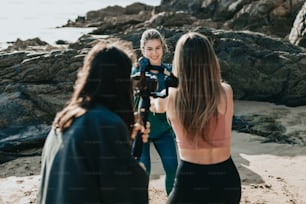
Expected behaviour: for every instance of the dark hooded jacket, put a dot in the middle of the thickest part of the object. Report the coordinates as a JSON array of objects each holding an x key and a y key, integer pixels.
[{"x": 91, "y": 162}]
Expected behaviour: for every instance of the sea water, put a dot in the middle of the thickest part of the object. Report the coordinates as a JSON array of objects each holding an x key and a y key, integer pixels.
[{"x": 42, "y": 18}]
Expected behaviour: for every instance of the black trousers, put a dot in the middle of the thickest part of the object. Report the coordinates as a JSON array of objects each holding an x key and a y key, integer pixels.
[{"x": 206, "y": 184}]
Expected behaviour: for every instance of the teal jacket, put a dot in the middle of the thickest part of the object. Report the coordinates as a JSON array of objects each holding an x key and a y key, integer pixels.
[{"x": 158, "y": 121}]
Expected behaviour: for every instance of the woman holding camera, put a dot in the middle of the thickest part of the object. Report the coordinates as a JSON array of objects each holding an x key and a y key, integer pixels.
[
  {"x": 200, "y": 110},
  {"x": 161, "y": 135}
]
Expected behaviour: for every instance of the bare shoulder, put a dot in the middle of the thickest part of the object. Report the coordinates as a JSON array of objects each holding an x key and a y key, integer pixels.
[
  {"x": 228, "y": 89},
  {"x": 229, "y": 98}
]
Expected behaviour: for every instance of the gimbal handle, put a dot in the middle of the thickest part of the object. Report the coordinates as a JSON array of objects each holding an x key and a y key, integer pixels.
[{"x": 144, "y": 107}]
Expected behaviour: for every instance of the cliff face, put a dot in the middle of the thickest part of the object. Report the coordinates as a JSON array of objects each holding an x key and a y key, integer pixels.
[
  {"x": 272, "y": 17},
  {"x": 36, "y": 79}
]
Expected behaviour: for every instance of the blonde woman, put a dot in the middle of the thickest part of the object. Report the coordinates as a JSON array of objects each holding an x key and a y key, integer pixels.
[{"x": 161, "y": 135}]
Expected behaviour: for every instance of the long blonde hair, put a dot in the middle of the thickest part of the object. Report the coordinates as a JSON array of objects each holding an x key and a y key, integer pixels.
[{"x": 196, "y": 99}]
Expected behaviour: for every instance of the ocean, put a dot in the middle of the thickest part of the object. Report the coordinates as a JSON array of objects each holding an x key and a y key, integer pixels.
[{"x": 39, "y": 18}]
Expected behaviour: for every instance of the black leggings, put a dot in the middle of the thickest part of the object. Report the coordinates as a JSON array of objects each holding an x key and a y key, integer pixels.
[{"x": 206, "y": 184}]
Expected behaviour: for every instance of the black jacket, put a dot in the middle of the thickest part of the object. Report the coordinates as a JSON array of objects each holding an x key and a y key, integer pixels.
[{"x": 91, "y": 162}]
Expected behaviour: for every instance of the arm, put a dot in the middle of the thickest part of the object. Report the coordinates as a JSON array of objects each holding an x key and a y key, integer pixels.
[{"x": 161, "y": 105}]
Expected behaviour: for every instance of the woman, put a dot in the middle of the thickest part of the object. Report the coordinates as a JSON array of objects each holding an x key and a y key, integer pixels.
[
  {"x": 161, "y": 135},
  {"x": 87, "y": 155},
  {"x": 200, "y": 111}
]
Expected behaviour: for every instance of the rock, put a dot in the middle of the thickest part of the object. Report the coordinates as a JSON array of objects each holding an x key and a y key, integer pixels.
[
  {"x": 298, "y": 32},
  {"x": 263, "y": 125},
  {"x": 34, "y": 44}
]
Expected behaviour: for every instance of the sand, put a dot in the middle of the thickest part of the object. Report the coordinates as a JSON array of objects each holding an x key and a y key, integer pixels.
[{"x": 270, "y": 172}]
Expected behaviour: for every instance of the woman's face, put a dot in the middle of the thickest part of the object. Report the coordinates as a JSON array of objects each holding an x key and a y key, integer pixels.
[{"x": 153, "y": 50}]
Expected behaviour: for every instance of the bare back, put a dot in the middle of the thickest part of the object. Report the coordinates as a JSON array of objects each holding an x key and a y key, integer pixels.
[{"x": 218, "y": 149}]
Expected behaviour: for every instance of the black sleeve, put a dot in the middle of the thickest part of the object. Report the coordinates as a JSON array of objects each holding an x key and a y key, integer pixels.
[
  {"x": 120, "y": 177},
  {"x": 91, "y": 162}
]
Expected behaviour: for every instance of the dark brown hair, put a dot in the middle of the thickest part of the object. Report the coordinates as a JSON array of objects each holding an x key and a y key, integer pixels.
[{"x": 103, "y": 79}]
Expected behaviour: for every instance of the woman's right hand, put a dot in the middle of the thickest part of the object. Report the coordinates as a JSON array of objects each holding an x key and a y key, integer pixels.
[{"x": 145, "y": 131}]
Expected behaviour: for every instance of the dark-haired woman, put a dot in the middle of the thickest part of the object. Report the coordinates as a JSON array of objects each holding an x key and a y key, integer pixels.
[{"x": 87, "y": 154}]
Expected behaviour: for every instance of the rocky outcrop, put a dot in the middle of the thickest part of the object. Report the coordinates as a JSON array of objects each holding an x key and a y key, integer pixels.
[
  {"x": 33, "y": 87},
  {"x": 114, "y": 19},
  {"x": 272, "y": 17},
  {"x": 30, "y": 44}
]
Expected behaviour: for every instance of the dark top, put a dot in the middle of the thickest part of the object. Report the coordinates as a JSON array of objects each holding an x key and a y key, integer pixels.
[{"x": 91, "y": 162}]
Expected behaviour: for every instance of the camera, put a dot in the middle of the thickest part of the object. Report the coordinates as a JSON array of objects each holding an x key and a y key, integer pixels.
[{"x": 146, "y": 84}]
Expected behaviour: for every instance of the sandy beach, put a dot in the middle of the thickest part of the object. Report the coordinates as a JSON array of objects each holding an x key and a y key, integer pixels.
[{"x": 270, "y": 173}]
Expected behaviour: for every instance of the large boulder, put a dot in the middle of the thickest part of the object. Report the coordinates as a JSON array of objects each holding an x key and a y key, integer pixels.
[{"x": 272, "y": 17}]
